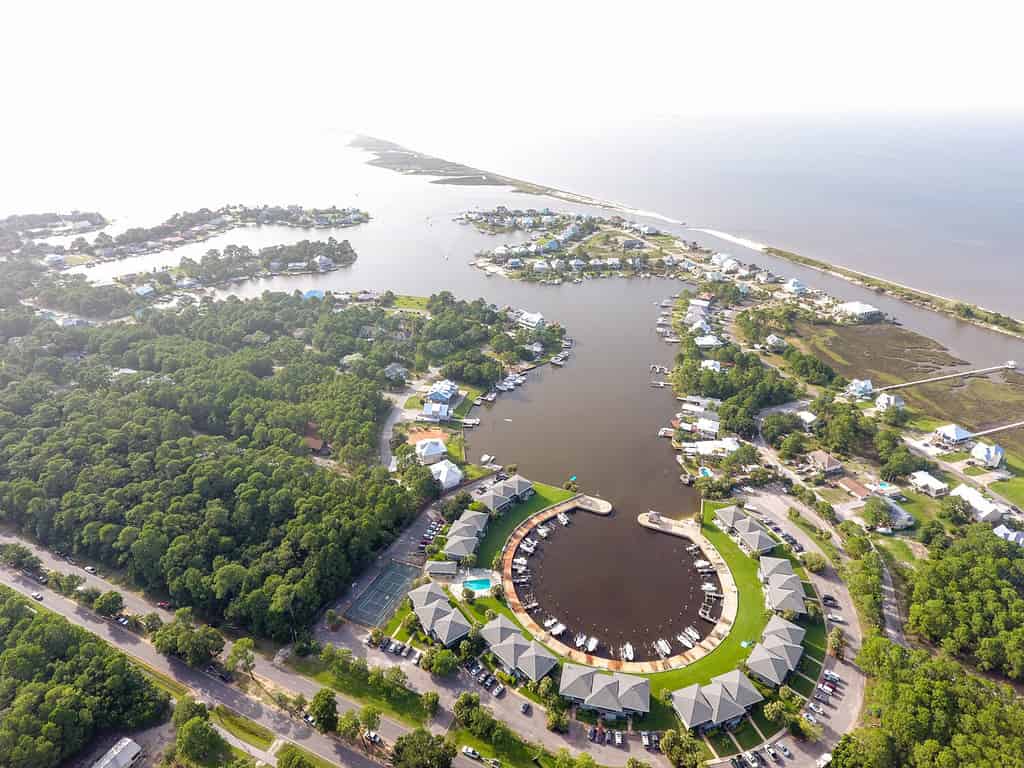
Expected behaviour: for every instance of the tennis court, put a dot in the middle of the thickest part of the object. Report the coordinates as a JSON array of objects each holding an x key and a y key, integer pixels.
[{"x": 377, "y": 602}]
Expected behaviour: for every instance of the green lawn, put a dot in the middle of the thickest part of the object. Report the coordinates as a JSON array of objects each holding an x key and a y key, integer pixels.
[
  {"x": 815, "y": 635},
  {"x": 1012, "y": 490},
  {"x": 477, "y": 611},
  {"x": 472, "y": 393},
  {"x": 499, "y": 528},
  {"x": 721, "y": 743},
  {"x": 705, "y": 750},
  {"x": 406, "y": 706},
  {"x": 403, "y": 610},
  {"x": 923, "y": 423},
  {"x": 921, "y": 506},
  {"x": 242, "y": 727},
  {"x": 801, "y": 685},
  {"x": 954, "y": 456},
  {"x": 517, "y": 754},
  {"x": 315, "y": 760},
  {"x": 768, "y": 727},
  {"x": 897, "y": 548},
  {"x": 751, "y": 617},
  {"x": 660, "y": 718},
  {"x": 810, "y": 666},
  {"x": 168, "y": 685},
  {"x": 457, "y": 448},
  {"x": 811, "y": 530},
  {"x": 747, "y": 735},
  {"x": 414, "y": 401},
  {"x": 410, "y": 302},
  {"x": 974, "y": 470}
]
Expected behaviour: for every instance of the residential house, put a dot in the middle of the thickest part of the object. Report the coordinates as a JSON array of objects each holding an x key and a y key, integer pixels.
[
  {"x": 440, "y": 568},
  {"x": 860, "y": 388},
  {"x": 1007, "y": 534},
  {"x": 611, "y": 695},
  {"x": 435, "y": 412},
  {"x": 985, "y": 510},
  {"x": 631, "y": 244},
  {"x": 530, "y": 319},
  {"x": 751, "y": 536},
  {"x": 447, "y": 474},
  {"x": 515, "y": 653},
  {"x": 854, "y": 487},
  {"x": 707, "y": 427},
  {"x": 775, "y": 343},
  {"x": 707, "y": 342},
  {"x": 711, "y": 365},
  {"x": 443, "y": 391},
  {"x": 478, "y": 520},
  {"x": 858, "y": 312},
  {"x": 925, "y": 482},
  {"x": 396, "y": 372},
  {"x": 460, "y": 547},
  {"x": 807, "y": 418},
  {"x": 885, "y": 401},
  {"x": 431, "y": 450},
  {"x": 988, "y": 455},
  {"x": 794, "y": 287},
  {"x": 951, "y": 436},
  {"x": 721, "y": 703},
  {"x": 495, "y": 501},
  {"x": 442, "y": 622},
  {"x": 823, "y": 461},
  {"x": 145, "y": 290},
  {"x": 782, "y": 588}
]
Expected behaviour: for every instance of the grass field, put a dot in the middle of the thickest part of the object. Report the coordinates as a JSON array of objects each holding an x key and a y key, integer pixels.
[
  {"x": 517, "y": 754},
  {"x": 315, "y": 760},
  {"x": 801, "y": 685},
  {"x": 747, "y": 735},
  {"x": 472, "y": 393},
  {"x": 404, "y": 609},
  {"x": 168, "y": 685},
  {"x": 921, "y": 506},
  {"x": 414, "y": 401},
  {"x": 242, "y": 727},
  {"x": 750, "y": 617},
  {"x": 810, "y": 666},
  {"x": 815, "y": 636},
  {"x": 406, "y": 706},
  {"x": 768, "y": 727},
  {"x": 410, "y": 302},
  {"x": 897, "y": 548},
  {"x": 477, "y": 612},
  {"x": 499, "y": 529},
  {"x": 721, "y": 743},
  {"x": 1012, "y": 489}
]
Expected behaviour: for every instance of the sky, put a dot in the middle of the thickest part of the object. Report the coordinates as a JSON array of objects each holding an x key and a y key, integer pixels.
[{"x": 138, "y": 79}]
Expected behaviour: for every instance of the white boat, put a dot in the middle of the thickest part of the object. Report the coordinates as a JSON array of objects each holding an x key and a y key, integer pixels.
[
  {"x": 627, "y": 651},
  {"x": 557, "y": 630},
  {"x": 486, "y": 458},
  {"x": 490, "y": 397},
  {"x": 693, "y": 633},
  {"x": 542, "y": 532},
  {"x": 707, "y": 586},
  {"x": 478, "y": 401},
  {"x": 563, "y": 518},
  {"x": 701, "y": 564},
  {"x": 684, "y": 640},
  {"x": 591, "y": 645},
  {"x": 580, "y": 640},
  {"x": 663, "y": 647},
  {"x": 666, "y": 432},
  {"x": 549, "y": 623},
  {"x": 672, "y": 339}
]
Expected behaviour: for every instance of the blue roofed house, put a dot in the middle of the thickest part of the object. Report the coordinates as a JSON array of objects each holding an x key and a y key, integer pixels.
[
  {"x": 552, "y": 245},
  {"x": 442, "y": 391}
]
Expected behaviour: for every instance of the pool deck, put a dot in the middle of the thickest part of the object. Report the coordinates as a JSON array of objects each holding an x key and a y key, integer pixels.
[{"x": 684, "y": 529}]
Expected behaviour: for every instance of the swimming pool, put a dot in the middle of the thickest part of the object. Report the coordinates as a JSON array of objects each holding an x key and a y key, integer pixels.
[
  {"x": 705, "y": 472},
  {"x": 478, "y": 585}
]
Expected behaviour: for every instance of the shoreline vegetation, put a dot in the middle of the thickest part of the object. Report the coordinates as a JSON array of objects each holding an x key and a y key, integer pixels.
[
  {"x": 971, "y": 313},
  {"x": 403, "y": 160}
]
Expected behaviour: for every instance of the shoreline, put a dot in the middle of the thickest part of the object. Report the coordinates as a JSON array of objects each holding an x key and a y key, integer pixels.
[{"x": 450, "y": 172}]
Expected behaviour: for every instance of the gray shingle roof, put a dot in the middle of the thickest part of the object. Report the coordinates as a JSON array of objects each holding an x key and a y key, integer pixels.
[
  {"x": 493, "y": 501},
  {"x": 510, "y": 649},
  {"x": 610, "y": 692},
  {"x": 730, "y": 515},
  {"x": 461, "y": 546},
  {"x": 478, "y": 520},
  {"x": 769, "y": 566},
  {"x": 451, "y": 628},
  {"x": 634, "y": 692},
  {"x": 767, "y": 665},
  {"x": 517, "y": 484},
  {"x": 460, "y": 530},
  {"x": 739, "y": 687},
  {"x": 784, "y": 629},
  {"x": 576, "y": 681},
  {"x": 785, "y": 599},
  {"x": 497, "y": 629},
  {"x": 691, "y": 706},
  {"x": 757, "y": 540},
  {"x": 604, "y": 694},
  {"x": 780, "y": 647},
  {"x": 426, "y": 594},
  {"x": 722, "y": 705},
  {"x": 780, "y": 581},
  {"x": 536, "y": 661}
]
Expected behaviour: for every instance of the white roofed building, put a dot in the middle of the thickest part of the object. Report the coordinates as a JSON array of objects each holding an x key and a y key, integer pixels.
[
  {"x": 447, "y": 474},
  {"x": 988, "y": 454},
  {"x": 985, "y": 510},
  {"x": 926, "y": 482}
]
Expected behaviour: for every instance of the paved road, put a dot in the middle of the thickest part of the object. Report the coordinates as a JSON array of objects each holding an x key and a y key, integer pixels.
[
  {"x": 203, "y": 686},
  {"x": 843, "y": 712}
]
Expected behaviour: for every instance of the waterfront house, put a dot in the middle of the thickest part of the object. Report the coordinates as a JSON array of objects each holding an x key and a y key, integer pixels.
[
  {"x": 823, "y": 461},
  {"x": 950, "y": 436},
  {"x": 460, "y": 530},
  {"x": 707, "y": 427},
  {"x": 782, "y": 588},
  {"x": 577, "y": 264},
  {"x": 610, "y": 695},
  {"x": 530, "y": 320},
  {"x": 322, "y": 263},
  {"x": 441, "y": 621},
  {"x": 516, "y": 655},
  {"x": 630, "y": 244},
  {"x": 727, "y": 517},
  {"x": 552, "y": 245},
  {"x": 711, "y": 365},
  {"x": 693, "y": 709},
  {"x": 773, "y": 566},
  {"x": 700, "y": 327},
  {"x": 496, "y": 502},
  {"x": 984, "y": 510},
  {"x": 478, "y": 520},
  {"x": 540, "y": 266},
  {"x": 767, "y": 666},
  {"x": 707, "y": 342},
  {"x": 925, "y": 482},
  {"x": 858, "y": 312},
  {"x": 781, "y": 598},
  {"x": 517, "y": 488},
  {"x": 426, "y": 594},
  {"x": 447, "y": 474},
  {"x": 435, "y": 412},
  {"x": 787, "y": 630},
  {"x": 885, "y": 401},
  {"x": 442, "y": 391},
  {"x": 460, "y": 547},
  {"x": 500, "y": 254},
  {"x": 775, "y": 343},
  {"x": 753, "y": 537},
  {"x": 498, "y": 629},
  {"x": 515, "y": 263},
  {"x": 988, "y": 455},
  {"x": 794, "y": 287},
  {"x": 431, "y": 450},
  {"x": 145, "y": 290},
  {"x": 860, "y": 388}
]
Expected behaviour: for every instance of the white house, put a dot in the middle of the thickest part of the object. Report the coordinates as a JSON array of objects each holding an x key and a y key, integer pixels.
[
  {"x": 925, "y": 482},
  {"x": 775, "y": 343},
  {"x": 807, "y": 418},
  {"x": 950, "y": 436},
  {"x": 1006, "y": 534},
  {"x": 700, "y": 327},
  {"x": 795, "y": 287},
  {"x": 707, "y": 427},
  {"x": 435, "y": 412},
  {"x": 431, "y": 450},
  {"x": 860, "y": 388},
  {"x": 858, "y": 311},
  {"x": 711, "y": 365},
  {"x": 987, "y": 455},
  {"x": 530, "y": 319},
  {"x": 442, "y": 391},
  {"x": 447, "y": 474},
  {"x": 985, "y": 510},
  {"x": 707, "y": 342},
  {"x": 885, "y": 401}
]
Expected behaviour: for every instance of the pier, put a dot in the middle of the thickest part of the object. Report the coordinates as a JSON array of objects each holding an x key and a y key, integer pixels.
[
  {"x": 994, "y": 430},
  {"x": 1009, "y": 365}
]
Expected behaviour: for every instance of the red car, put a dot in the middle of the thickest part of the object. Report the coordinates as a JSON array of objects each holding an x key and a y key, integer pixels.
[{"x": 163, "y": 604}]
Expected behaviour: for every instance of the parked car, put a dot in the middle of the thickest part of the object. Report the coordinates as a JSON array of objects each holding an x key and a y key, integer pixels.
[
  {"x": 37, "y": 596},
  {"x": 470, "y": 753},
  {"x": 752, "y": 760},
  {"x": 816, "y": 708},
  {"x": 826, "y": 688},
  {"x": 821, "y": 696},
  {"x": 42, "y": 579},
  {"x": 408, "y": 651},
  {"x": 829, "y": 600},
  {"x": 831, "y": 676},
  {"x": 618, "y": 738},
  {"x": 525, "y": 707},
  {"x": 163, "y": 604},
  {"x": 592, "y": 733},
  {"x": 373, "y": 737},
  {"x": 772, "y": 753},
  {"x": 645, "y": 739},
  {"x": 307, "y": 717},
  {"x": 835, "y": 617},
  {"x": 498, "y": 690},
  {"x": 783, "y": 749},
  {"x": 810, "y": 718},
  {"x": 90, "y": 569},
  {"x": 735, "y": 762}
]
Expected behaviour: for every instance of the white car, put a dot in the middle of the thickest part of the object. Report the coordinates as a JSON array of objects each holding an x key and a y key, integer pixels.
[
  {"x": 815, "y": 707},
  {"x": 831, "y": 676},
  {"x": 37, "y": 596},
  {"x": 835, "y": 618},
  {"x": 783, "y": 749},
  {"x": 810, "y": 718},
  {"x": 90, "y": 569},
  {"x": 471, "y": 753}
]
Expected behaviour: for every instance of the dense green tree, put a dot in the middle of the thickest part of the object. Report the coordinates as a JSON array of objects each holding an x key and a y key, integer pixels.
[
  {"x": 199, "y": 742},
  {"x": 421, "y": 749},
  {"x": 241, "y": 656},
  {"x": 109, "y": 603},
  {"x": 681, "y": 749},
  {"x": 324, "y": 710}
]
